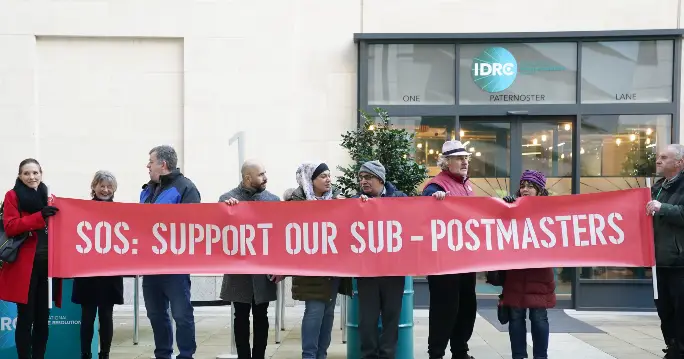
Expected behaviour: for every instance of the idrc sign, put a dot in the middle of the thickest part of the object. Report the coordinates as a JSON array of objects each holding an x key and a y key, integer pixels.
[{"x": 496, "y": 69}]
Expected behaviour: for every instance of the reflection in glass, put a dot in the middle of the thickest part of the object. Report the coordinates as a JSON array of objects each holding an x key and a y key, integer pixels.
[
  {"x": 547, "y": 148},
  {"x": 619, "y": 153},
  {"x": 640, "y": 71},
  {"x": 490, "y": 163},
  {"x": 409, "y": 74}
]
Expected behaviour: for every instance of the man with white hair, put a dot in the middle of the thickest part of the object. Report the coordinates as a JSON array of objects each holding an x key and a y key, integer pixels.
[
  {"x": 453, "y": 304},
  {"x": 667, "y": 209}
]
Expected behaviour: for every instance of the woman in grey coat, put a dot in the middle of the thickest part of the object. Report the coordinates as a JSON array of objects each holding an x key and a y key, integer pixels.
[{"x": 250, "y": 292}]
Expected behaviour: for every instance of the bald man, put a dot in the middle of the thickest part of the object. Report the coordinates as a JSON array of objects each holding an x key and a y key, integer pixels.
[{"x": 250, "y": 292}]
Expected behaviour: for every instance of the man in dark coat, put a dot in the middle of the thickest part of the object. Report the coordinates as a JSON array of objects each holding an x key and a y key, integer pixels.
[
  {"x": 250, "y": 292},
  {"x": 378, "y": 296},
  {"x": 667, "y": 209}
]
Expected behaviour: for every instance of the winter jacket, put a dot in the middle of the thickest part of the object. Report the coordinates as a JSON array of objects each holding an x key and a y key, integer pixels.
[
  {"x": 446, "y": 181},
  {"x": 175, "y": 188},
  {"x": 316, "y": 288},
  {"x": 242, "y": 288},
  {"x": 668, "y": 222},
  {"x": 530, "y": 288},
  {"x": 15, "y": 277}
]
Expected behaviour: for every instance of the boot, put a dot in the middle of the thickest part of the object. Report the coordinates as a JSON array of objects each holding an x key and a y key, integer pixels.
[
  {"x": 104, "y": 356},
  {"x": 86, "y": 356}
]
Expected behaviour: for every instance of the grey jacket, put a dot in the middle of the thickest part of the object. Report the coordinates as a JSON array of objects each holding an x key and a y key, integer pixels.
[{"x": 242, "y": 288}]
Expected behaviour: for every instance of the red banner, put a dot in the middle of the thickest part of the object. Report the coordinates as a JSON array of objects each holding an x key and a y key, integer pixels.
[{"x": 382, "y": 237}]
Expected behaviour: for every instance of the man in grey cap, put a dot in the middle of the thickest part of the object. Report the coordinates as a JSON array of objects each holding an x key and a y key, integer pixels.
[{"x": 378, "y": 295}]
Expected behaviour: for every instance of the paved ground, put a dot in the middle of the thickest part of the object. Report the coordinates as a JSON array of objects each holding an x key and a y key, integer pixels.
[{"x": 625, "y": 336}]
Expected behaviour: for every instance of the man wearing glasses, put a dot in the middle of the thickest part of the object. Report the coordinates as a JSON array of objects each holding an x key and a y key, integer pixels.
[{"x": 378, "y": 296}]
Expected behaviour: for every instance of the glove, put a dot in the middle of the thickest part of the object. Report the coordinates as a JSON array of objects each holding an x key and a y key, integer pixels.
[
  {"x": 509, "y": 199},
  {"x": 49, "y": 211}
]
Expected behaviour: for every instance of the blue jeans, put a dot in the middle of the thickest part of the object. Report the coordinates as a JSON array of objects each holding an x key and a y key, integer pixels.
[
  {"x": 517, "y": 331},
  {"x": 317, "y": 325},
  {"x": 160, "y": 293}
]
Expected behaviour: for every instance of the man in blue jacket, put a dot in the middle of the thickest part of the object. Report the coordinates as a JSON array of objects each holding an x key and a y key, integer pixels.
[{"x": 168, "y": 186}]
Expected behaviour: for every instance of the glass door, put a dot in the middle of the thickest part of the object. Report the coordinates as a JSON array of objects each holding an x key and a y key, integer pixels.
[{"x": 502, "y": 148}]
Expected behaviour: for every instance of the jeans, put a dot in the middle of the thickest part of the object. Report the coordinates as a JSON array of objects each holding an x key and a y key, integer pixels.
[
  {"x": 31, "y": 335},
  {"x": 517, "y": 331},
  {"x": 379, "y": 298},
  {"x": 241, "y": 325},
  {"x": 670, "y": 306},
  {"x": 160, "y": 293},
  {"x": 317, "y": 326},
  {"x": 453, "y": 309},
  {"x": 88, "y": 314}
]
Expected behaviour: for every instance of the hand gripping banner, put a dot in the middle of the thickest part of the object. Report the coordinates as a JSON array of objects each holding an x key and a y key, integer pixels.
[{"x": 382, "y": 237}]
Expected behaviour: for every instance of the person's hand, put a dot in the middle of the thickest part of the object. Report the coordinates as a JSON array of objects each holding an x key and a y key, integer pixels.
[
  {"x": 652, "y": 207},
  {"x": 440, "y": 195},
  {"x": 231, "y": 201},
  {"x": 509, "y": 199},
  {"x": 340, "y": 196},
  {"x": 49, "y": 211},
  {"x": 364, "y": 198}
]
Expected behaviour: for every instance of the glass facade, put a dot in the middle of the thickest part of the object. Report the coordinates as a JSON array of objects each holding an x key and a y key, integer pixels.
[
  {"x": 614, "y": 105},
  {"x": 405, "y": 74},
  {"x": 627, "y": 71}
]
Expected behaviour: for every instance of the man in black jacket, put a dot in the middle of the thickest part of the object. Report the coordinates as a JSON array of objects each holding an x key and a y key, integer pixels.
[{"x": 667, "y": 209}]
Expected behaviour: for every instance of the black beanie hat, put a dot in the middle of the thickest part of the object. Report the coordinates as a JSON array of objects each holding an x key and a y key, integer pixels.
[{"x": 320, "y": 169}]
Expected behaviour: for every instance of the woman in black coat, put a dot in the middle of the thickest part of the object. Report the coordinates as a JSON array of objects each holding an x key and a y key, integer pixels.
[{"x": 98, "y": 294}]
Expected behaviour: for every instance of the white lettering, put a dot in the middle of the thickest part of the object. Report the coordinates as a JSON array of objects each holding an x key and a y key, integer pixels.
[
  {"x": 620, "y": 233},
  {"x": 597, "y": 231},
  {"x": 121, "y": 237},
  {"x": 564, "y": 228},
  {"x": 84, "y": 237},
  {"x": 552, "y": 237},
  {"x": 488, "y": 231},
  {"x": 475, "y": 245},
  {"x": 529, "y": 236},
  {"x": 264, "y": 236},
  {"x": 578, "y": 230},
  {"x": 357, "y": 236},
  {"x": 98, "y": 237},
  {"x": 228, "y": 233},
  {"x": 509, "y": 234},
  {"x": 438, "y": 231},
  {"x": 195, "y": 238},
  {"x": 155, "y": 232}
]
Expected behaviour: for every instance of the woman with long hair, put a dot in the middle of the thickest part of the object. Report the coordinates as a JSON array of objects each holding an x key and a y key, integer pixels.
[
  {"x": 25, "y": 281},
  {"x": 529, "y": 290},
  {"x": 98, "y": 295}
]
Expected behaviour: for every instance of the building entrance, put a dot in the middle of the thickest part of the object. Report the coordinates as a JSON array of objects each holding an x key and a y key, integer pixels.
[{"x": 501, "y": 149}]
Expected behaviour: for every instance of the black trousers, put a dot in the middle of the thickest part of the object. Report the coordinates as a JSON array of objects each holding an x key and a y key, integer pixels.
[
  {"x": 88, "y": 314},
  {"x": 670, "y": 306},
  {"x": 379, "y": 298},
  {"x": 31, "y": 335},
  {"x": 453, "y": 309},
  {"x": 242, "y": 330}
]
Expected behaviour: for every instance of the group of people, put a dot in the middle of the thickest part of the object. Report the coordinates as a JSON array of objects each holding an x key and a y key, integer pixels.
[{"x": 453, "y": 303}]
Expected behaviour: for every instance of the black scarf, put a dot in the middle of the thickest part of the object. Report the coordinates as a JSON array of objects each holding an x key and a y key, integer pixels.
[
  {"x": 31, "y": 200},
  {"x": 103, "y": 200}
]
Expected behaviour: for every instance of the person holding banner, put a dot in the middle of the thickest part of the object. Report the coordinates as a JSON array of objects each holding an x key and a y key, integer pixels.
[
  {"x": 168, "y": 186},
  {"x": 667, "y": 209},
  {"x": 531, "y": 289},
  {"x": 318, "y": 293},
  {"x": 98, "y": 295},
  {"x": 25, "y": 281},
  {"x": 250, "y": 292},
  {"x": 453, "y": 303},
  {"x": 378, "y": 296}
]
